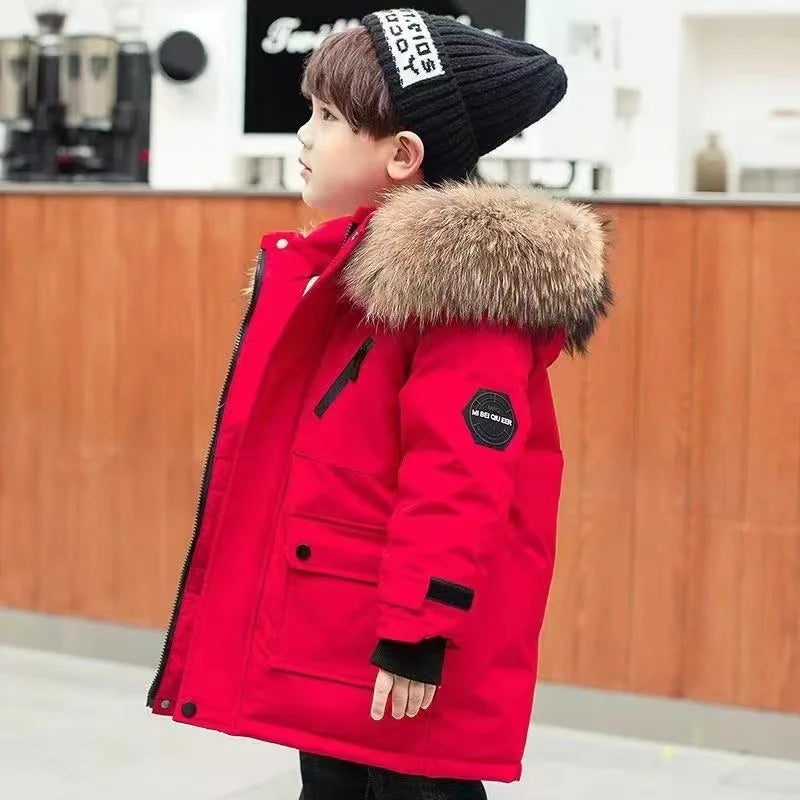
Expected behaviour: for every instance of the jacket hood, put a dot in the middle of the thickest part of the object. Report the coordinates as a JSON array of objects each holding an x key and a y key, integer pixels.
[{"x": 462, "y": 252}]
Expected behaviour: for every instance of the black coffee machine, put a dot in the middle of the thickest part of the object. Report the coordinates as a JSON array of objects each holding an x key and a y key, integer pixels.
[{"x": 76, "y": 108}]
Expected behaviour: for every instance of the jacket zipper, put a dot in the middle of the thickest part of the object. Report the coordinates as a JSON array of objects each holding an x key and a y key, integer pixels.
[
  {"x": 201, "y": 501},
  {"x": 347, "y": 375}
]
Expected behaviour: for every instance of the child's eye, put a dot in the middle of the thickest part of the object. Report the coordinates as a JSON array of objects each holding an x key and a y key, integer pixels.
[{"x": 326, "y": 114}]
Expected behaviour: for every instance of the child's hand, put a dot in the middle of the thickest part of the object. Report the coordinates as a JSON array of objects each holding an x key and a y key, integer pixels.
[{"x": 407, "y": 696}]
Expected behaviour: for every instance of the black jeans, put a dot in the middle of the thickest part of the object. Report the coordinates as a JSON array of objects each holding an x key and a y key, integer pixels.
[{"x": 331, "y": 779}]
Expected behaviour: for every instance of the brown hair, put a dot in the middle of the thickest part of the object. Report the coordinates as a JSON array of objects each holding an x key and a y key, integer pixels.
[{"x": 344, "y": 71}]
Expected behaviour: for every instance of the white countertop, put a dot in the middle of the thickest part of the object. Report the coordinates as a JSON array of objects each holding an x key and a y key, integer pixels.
[{"x": 690, "y": 199}]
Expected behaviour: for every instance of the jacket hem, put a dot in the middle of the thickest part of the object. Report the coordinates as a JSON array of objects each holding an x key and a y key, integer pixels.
[{"x": 405, "y": 763}]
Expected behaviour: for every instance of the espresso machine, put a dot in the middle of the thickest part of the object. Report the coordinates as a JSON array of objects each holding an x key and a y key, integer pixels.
[{"x": 77, "y": 108}]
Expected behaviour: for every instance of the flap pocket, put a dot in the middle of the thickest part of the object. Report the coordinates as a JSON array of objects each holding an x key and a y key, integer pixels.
[
  {"x": 328, "y": 629},
  {"x": 332, "y": 548}
]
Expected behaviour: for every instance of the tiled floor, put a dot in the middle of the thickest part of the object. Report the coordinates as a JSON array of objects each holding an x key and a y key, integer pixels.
[{"x": 75, "y": 729}]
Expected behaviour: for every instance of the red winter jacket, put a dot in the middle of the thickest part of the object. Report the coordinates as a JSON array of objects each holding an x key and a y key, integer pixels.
[{"x": 386, "y": 468}]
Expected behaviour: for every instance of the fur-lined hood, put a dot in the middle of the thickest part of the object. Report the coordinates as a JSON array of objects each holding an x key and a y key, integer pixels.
[{"x": 465, "y": 251}]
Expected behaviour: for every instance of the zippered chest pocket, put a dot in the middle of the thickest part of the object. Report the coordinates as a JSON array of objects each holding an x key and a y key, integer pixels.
[{"x": 347, "y": 376}]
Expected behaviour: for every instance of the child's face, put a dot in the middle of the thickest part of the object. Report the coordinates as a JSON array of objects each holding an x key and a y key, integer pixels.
[{"x": 345, "y": 169}]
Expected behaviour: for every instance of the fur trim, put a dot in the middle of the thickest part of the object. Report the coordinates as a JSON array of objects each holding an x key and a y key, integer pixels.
[
  {"x": 468, "y": 251},
  {"x": 247, "y": 292}
]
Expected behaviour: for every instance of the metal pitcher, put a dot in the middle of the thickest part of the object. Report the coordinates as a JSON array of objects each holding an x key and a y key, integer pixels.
[
  {"x": 15, "y": 57},
  {"x": 91, "y": 81}
]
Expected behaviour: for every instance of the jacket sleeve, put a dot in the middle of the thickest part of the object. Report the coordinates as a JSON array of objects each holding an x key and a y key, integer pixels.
[
  {"x": 464, "y": 419},
  {"x": 420, "y": 661}
]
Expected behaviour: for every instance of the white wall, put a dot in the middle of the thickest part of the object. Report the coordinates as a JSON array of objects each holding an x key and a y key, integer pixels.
[
  {"x": 691, "y": 105},
  {"x": 743, "y": 70},
  {"x": 581, "y": 126},
  {"x": 650, "y": 154},
  {"x": 644, "y": 152},
  {"x": 88, "y": 16},
  {"x": 731, "y": 7},
  {"x": 195, "y": 127}
]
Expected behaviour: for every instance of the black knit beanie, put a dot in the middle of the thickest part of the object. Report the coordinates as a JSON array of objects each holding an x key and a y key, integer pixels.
[{"x": 462, "y": 91}]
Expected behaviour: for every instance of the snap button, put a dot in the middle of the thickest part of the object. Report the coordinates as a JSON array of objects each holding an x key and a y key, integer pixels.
[
  {"x": 303, "y": 552},
  {"x": 282, "y": 244},
  {"x": 165, "y": 704},
  {"x": 189, "y": 709}
]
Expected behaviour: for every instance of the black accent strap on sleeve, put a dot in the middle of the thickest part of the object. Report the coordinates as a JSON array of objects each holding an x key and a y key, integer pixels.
[{"x": 451, "y": 594}]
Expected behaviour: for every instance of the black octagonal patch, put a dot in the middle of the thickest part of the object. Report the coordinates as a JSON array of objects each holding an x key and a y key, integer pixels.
[{"x": 491, "y": 419}]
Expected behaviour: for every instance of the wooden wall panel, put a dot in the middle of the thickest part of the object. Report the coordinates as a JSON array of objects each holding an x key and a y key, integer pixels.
[
  {"x": 20, "y": 373},
  {"x": 93, "y": 390},
  {"x": 770, "y": 641},
  {"x": 177, "y": 312},
  {"x": 57, "y": 294},
  {"x": 144, "y": 494},
  {"x": 661, "y": 485},
  {"x": 722, "y": 312},
  {"x": 607, "y": 481},
  {"x": 679, "y": 546}
]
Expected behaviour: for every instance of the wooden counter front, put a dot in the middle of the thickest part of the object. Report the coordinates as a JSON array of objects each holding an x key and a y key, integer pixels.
[{"x": 679, "y": 553}]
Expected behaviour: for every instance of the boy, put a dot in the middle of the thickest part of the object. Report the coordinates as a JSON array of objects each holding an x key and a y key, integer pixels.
[{"x": 377, "y": 517}]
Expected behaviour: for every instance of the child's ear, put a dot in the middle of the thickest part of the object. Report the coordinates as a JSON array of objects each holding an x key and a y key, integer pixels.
[{"x": 406, "y": 161}]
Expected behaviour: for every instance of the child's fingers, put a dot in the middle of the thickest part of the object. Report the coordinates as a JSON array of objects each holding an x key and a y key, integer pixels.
[
  {"x": 400, "y": 697},
  {"x": 416, "y": 694},
  {"x": 430, "y": 691},
  {"x": 408, "y": 697},
  {"x": 383, "y": 685}
]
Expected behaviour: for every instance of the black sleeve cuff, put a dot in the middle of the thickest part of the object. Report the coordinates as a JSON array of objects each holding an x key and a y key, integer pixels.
[{"x": 419, "y": 661}]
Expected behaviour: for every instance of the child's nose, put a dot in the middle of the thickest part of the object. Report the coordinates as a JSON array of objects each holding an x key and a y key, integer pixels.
[{"x": 302, "y": 136}]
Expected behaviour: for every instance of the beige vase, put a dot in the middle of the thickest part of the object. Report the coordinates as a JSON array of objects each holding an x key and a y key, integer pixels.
[{"x": 711, "y": 167}]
